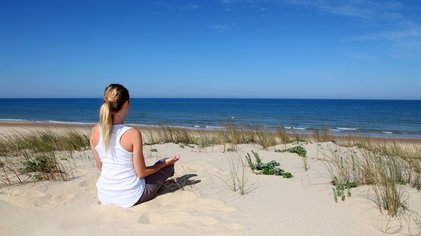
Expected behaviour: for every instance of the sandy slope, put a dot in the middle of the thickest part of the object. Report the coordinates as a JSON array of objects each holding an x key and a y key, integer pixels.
[{"x": 302, "y": 205}]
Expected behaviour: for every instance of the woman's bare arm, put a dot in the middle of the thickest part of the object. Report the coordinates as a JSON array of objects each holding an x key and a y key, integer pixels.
[
  {"x": 134, "y": 137},
  {"x": 93, "y": 141}
]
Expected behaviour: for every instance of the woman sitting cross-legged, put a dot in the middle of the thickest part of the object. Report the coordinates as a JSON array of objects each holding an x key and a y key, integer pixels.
[{"x": 125, "y": 179}]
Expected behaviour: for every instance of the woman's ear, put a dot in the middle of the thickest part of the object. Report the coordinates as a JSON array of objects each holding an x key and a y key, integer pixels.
[{"x": 126, "y": 104}]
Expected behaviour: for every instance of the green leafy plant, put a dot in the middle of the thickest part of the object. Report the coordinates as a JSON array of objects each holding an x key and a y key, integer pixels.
[
  {"x": 42, "y": 167},
  {"x": 341, "y": 190},
  {"x": 299, "y": 150},
  {"x": 270, "y": 168},
  {"x": 39, "y": 155}
]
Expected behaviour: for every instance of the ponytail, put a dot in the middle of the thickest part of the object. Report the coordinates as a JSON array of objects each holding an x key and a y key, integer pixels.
[
  {"x": 115, "y": 95},
  {"x": 106, "y": 123}
]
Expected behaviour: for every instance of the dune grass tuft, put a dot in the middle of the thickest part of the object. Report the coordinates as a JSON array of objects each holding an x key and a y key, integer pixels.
[
  {"x": 230, "y": 136},
  {"x": 38, "y": 155},
  {"x": 384, "y": 165}
]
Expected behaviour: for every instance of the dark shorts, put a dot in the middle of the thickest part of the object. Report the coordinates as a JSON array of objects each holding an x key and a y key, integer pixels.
[{"x": 154, "y": 182}]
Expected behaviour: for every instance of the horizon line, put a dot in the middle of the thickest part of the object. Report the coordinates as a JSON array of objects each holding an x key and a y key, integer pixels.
[{"x": 233, "y": 98}]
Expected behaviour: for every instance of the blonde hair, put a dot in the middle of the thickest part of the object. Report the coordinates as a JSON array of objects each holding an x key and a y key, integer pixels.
[{"x": 115, "y": 95}]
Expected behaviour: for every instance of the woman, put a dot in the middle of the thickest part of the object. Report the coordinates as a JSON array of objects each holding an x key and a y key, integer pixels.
[{"x": 125, "y": 180}]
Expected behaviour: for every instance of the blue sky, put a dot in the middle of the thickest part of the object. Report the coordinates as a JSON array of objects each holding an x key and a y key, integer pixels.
[{"x": 222, "y": 48}]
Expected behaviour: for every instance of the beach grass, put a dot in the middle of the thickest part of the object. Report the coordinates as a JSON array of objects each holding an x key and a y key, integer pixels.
[
  {"x": 283, "y": 136},
  {"x": 238, "y": 175},
  {"x": 322, "y": 135},
  {"x": 230, "y": 136},
  {"x": 383, "y": 164},
  {"x": 38, "y": 155}
]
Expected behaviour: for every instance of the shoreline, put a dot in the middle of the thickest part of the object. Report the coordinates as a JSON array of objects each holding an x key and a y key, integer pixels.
[
  {"x": 87, "y": 126},
  {"x": 339, "y": 118}
]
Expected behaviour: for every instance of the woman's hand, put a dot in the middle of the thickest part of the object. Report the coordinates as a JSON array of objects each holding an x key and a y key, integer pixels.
[{"x": 172, "y": 160}]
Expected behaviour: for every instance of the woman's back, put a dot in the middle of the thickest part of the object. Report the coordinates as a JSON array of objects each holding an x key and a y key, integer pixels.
[
  {"x": 118, "y": 183},
  {"x": 125, "y": 179}
]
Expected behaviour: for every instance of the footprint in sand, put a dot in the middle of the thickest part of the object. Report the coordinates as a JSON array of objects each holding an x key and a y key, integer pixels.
[
  {"x": 194, "y": 221},
  {"x": 88, "y": 185},
  {"x": 85, "y": 183},
  {"x": 188, "y": 209},
  {"x": 51, "y": 201},
  {"x": 176, "y": 218},
  {"x": 42, "y": 188},
  {"x": 144, "y": 219}
]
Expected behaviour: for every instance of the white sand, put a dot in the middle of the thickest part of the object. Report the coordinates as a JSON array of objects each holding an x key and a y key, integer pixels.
[{"x": 303, "y": 205}]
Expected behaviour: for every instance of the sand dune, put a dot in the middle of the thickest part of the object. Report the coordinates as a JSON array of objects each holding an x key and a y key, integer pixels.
[{"x": 201, "y": 201}]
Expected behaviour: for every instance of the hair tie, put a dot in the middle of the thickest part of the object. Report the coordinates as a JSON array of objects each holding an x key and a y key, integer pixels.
[{"x": 109, "y": 101}]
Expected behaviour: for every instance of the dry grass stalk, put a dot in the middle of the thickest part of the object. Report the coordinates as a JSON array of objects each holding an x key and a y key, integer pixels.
[
  {"x": 386, "y": 167},
  {"x": 35, "y": 156}
]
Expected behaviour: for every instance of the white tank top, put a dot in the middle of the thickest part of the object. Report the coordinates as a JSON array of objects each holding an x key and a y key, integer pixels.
[{"x": 118, "y": 184}]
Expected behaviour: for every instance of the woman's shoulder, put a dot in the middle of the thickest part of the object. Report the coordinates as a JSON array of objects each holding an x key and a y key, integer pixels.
[
  {"x": 132, "y": 137},
  {"x": 94, "y": 135},
  {"x": 95, "y": 129},
  {"x": 132, "y": 132}
]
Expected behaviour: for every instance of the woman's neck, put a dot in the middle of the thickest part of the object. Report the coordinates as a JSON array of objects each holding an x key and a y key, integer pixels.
[
  {"x": 119, "y": 117},
  {"x": 118, "y": 120}
]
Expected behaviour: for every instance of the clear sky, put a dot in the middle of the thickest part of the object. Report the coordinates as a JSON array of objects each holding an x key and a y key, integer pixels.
[{"x": 221, "y": 48}]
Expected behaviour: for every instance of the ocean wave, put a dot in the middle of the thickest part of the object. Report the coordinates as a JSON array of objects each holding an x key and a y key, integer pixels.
[
  {"x": 307, "y": 129},
  {"x": 14, "y": 120},
  {"x": 71, "y": 122},
  {"x": 294, "y": 128},
  {"x": 298, "y": 128},
  {"x": 213, "y": 127},
  {"x": 47, "y": 121},
  {"x": 143, "y": 125},
  {"x": 210, "y": 127},
  {"x": 346, "y": 129}
]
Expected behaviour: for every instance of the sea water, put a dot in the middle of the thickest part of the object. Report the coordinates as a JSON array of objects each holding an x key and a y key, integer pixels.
[{"x": 381, "y": 118}]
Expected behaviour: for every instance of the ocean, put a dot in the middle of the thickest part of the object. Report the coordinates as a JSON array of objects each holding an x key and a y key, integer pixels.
[{"x": 379, "y": 118}]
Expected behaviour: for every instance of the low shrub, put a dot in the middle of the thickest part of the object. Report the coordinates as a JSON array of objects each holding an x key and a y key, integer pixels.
[
  {"x": 299, "y": 150},
  {"x": 270, "y": 168}
]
